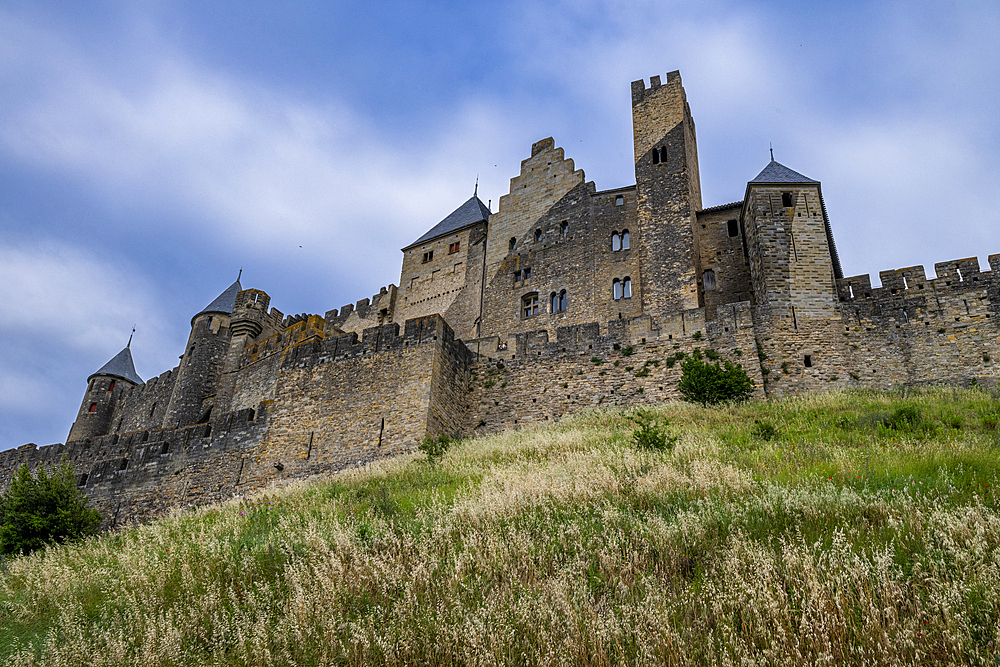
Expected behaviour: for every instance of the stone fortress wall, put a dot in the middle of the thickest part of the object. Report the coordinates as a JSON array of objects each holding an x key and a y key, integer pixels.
[{"x": 566, "y": 297}]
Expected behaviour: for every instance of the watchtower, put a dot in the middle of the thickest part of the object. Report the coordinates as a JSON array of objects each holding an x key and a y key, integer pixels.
[{"x": 104, "y": 390}]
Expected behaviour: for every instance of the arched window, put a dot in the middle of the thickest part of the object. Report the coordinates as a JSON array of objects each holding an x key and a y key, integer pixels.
[
  {"x": 616, "y": 287},
  {"x": 554, "y": 303},
  {"x": 627, "y": 288},
  {"x": 626, "y": 244},
  {"x": 616, "y": 242},
  {"x": 708, "y": 279},
  {"x": 563, "y": 301},
  {"x": 529, "y": 305},
  {"x": 538, "y": 235},
  {"x": 512, "y": 243}
]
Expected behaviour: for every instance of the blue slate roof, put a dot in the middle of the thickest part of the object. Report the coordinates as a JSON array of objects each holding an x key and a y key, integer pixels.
[
  {"x": 225, "y": 302},
  {"x": 469, "y": 213},
  {"x": 776, "y": 172},
  {"x": 120, "y": 366}
]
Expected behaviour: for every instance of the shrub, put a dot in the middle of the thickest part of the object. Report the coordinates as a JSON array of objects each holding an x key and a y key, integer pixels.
[
  {"x": 628, "y": 351},
  {"x": 712, "y": 355},
  {"x": 435, "y": 448},
  {"x": 38, "y": 510},
  {"x": 763, "y": 430},
  {"x": 707, "y": 383},
  {"x": 651, "y": 432}
]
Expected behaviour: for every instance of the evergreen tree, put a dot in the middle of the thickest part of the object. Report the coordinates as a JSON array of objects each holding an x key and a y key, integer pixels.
[{"x": 42, "y": 509}]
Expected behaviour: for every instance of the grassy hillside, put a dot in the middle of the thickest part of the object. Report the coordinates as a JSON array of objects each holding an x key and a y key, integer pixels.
[{"x": 850, "y": 528}]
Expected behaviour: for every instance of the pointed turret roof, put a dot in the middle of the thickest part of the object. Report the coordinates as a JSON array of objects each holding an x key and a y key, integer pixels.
[
  {"x": 469, "y": 213},
  {"x": 224, "y": 303},
  {"x": 775, "y": 172},
  {"x": 120, "y": 366}
]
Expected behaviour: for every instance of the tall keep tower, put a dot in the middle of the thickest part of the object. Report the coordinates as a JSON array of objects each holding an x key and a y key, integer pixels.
[
  {"x": 104, "y": 389},
  {"x": 202, "y": 362},
  {"x": 668, "y": 191}
]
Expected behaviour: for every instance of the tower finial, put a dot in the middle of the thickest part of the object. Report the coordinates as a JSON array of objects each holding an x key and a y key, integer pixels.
[
  {"x": 475, "y": 193},
  {"x": 241, "y": 274},
  {"x": 772, "y": 150},
  {"x": 129, "y": 345}
]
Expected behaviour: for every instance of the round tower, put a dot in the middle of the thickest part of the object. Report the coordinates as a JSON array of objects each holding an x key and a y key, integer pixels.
[
  {"x": 104, "y": 390},
  {"x": 199, "y": 371}
]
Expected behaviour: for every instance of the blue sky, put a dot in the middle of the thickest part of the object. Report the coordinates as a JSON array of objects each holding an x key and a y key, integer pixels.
[{"x": 148, "y": 150}]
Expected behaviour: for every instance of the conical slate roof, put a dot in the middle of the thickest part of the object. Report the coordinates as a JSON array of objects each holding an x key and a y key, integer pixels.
[
  {"x": 775, "y": 172},
  {"x": 120, "y": 367},
  {"x": 469, "y": 213},
  {"x": 224, "y": 303}
]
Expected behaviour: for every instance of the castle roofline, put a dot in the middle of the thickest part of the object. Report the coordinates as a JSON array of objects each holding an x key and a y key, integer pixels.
[
  {"x": 224, "y": 303},
  {"x": 775, "y": 172},
  {"x": 722, "y": 207},
  {"x": 120, "y": 366},
  {"x": 470, "y": 213}
]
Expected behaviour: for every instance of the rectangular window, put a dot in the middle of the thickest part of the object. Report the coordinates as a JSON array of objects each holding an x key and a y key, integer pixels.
[
  {"x": 733, "y": 228},
  {"x": 527, "y": 273},
  {"x": 808, "y": 361},
  {"x": 428, "y": 256},
  {"x": 93, "y": 407},
  {"x": 529, "y": 305},
  {"x": 453, "y": 248},
  {"x": 620, "y": 200}
]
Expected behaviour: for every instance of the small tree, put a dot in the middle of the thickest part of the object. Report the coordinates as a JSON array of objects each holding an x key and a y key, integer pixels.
[
  {"x": 42, "y": 509},
  {"x": 707, "y": 383}
]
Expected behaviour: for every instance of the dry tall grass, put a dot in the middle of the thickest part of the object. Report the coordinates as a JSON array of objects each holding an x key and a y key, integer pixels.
[{"x": 835, "y": 540}]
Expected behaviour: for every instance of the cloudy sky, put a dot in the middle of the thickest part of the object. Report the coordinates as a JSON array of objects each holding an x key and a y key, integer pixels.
[{"x": 150, "y": 149}]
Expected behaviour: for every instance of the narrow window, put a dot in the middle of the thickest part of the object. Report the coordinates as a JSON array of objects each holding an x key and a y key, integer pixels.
[
  {"x": 428, "y": 256},
  {"x": 959, "y": 272},
  {"x": 627, "y": 288},
  {"x": 616, "y": 286},
  {"x": 93, "y": 407},
  {"x": 808, "y": 361},
  {"x": 111, "y": 387},
  {"x": 529, "y": 305},
  {"x": 625, "y": 240},
  {"x": 620, "y": 200},
  {"x": 663, "y": 153},
  {"x": 527, "y": 272},
  {"x": 656, "y": 156},
  {"x": 538, "y": 235},
  {"x": 512, "y": 243},
  {"x": 250, "y": 416},
  {"x": 563, "y": 301},
  {"x": 517, "y": 276},
  {"x": 554, "y": 303},
  {"x": 616, "y": 242},
  {"x": 733, "y": 227},
  {"x": 564, "y": 229},
  {"x": 786, "y": 199},
  {"x": 708, "y": 279},
  {"x": 850, "y": 290},
  {"x": 152, "y": 410},
  {"x": 906, "y": 285}
]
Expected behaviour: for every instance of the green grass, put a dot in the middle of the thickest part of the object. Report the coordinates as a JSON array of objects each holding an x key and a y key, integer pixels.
[{"x": 848, "y": 528}]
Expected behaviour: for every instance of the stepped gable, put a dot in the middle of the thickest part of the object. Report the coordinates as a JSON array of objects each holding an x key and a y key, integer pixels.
[
  {"x": 775, "y": 172},
  {"x": 120, "y": 366},
  {"x": 471, "y": 212},
  {"x": 224, "y": 303}
]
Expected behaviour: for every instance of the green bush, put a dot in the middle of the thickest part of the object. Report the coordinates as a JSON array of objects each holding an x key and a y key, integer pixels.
[
  {"x": 763, "y": 430},
  {"x": 707, "y": 383},
  {"x": 651, "y": 432},
  {"x": 435, "y": 448},
  {"x": 38, "y": 510}
]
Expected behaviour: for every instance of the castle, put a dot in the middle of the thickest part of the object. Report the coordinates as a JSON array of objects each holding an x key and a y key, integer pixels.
[{"x": 566, "y": 297}]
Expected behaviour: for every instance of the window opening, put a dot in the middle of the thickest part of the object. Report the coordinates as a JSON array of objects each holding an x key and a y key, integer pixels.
[
  {"x": 850, "y": 290},
  {"x": 453, "y": 248},
  {"x": 563, "y": 301},
  {"x": 616, "y": 242},
  {"x": 656, "y": 156},
  {"x": 625, "y": 240},
  {"x": 733, "y": 228},
  {"x": 93, "y": 407},
  {"x": 708, "y": 279},
  {"x": 564, "y": 229},
  {"x": 428, "y": 256},
  {"x": 786, "y": 199},
  {"x": 553, "y": 303},
  {"x": 905, "y": 284},
  {"x": 517, "y": 276},
  {"x": 512, "y": 243},
  {"x": 538, "y": 235},
  {"x": 527, "y": 272},
  {"x": 663, "y": 153},
  {"x": 627, "y": 288},
  {"x": 529, "y": 305},
  {"x": 152, "y": 410},
  {"x": 616, "y": 286},
  {"x": 111, "y": 387},
  {"x": 620, "y": 200},
  {"x": 959, "y": 272},
  {"x": 808, "y": 361}
]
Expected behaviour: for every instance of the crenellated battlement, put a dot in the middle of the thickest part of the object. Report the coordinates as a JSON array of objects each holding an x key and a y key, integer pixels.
[{"x": 911, "y": 282}]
